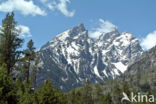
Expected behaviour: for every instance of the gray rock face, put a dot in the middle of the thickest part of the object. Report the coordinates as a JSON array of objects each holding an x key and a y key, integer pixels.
[
  {"x": 146, "y": 61},
  {"x": 72, "y": 57}
]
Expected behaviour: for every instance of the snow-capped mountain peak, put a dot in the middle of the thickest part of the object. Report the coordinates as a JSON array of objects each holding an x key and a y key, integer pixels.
[
  {"x": 72, "y": 32},
  {"x": 77, "y": 57},
  {"x": 110, "y": 35}
]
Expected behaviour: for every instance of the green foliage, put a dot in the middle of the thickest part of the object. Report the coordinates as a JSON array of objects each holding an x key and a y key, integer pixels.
[
  {"x": 107, "y": 99},
  {"x": 87, "y": 94},
  {"x": 47, "y": 95},
  {"x": 99, "y": 95},
  {"x": 61, "y": 98},
  {"x": 9, "y": 42},
  {"x": 29, "y": 57},
  {"x": 28, "y": 96},
  {"x": 117, "y": 94},
  {"x": 7, "y": 92},
  {"x": 75, "y": 97},
  {"x": 126, "y": 88}
]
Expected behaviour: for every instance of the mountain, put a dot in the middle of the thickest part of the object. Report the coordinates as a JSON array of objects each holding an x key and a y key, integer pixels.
[
  {"x": 146, "y": 61},
  {"x": 139, "y": 78},
  {"x": 142, "y": 73},
  {"x": 72, "y": 57}
]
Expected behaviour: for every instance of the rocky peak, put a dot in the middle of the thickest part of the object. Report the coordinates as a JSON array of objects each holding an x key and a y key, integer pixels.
[
  {"x": 146, "y": 61},
  {"x": 77, "y": 30},
  {"x": 70, "y": 33},
  {"x": 72, "y": 57},
  {"x": 110, "y": 35}
]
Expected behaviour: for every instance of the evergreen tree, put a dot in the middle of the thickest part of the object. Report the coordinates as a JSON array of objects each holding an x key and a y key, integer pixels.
[
  {"x": 35, "y": 68},
  {"x": 99, "y": 95},
  {"x": 126, "y": 88},
  {"x": 46, "y": 94},
  {"x": 7, "y": 88},
  {"x": 9, "y": 42},
  {"x": 75, "y": 97},
  {"x": 107, "y": 99},
  {"x": 87, "y": 94},
  {"x": 60, "y": 97},
  {"x": 117, "y": 94},
  {"x": 28, "y": 59},
  {"x": 20, "y": 88},
  {"x": 29, "y": 96}
]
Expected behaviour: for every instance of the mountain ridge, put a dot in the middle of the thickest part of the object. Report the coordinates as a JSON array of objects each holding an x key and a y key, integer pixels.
[{"x": 79, "y": 57}]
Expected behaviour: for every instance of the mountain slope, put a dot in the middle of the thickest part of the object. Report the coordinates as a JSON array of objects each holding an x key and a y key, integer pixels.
[
  {"x": 146, "y": 61},
  {"x": 140, "y": 76},
  {"x": 72, "y": 57}
]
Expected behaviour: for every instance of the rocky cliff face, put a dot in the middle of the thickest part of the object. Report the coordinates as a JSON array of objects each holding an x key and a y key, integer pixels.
[
  {"x": 146, "y": 61},
  {"x": 72, "y": 57}
]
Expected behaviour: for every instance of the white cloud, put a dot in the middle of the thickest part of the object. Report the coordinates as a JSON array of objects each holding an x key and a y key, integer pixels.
[
  {"x": 149, "y": 41},
  {"x": 51, "y": 5},
  {"x": 25, "y": 31},
  {"x": 60, "y": 5},
  {"x": 104, "y": 27},
  {"x": 24, "y": 6},
  {"x": 27, "y": 7}
]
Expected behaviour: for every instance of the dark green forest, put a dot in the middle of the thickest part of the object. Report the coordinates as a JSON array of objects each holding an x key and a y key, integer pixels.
[{"x": 18, "y": 70}]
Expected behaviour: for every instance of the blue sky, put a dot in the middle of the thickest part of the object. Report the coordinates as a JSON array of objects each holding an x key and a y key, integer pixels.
[{"x": 44, "y": 19}]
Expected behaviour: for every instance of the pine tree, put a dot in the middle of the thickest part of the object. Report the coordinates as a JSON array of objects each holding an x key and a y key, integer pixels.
[
  {"x": 7, "y": 88},
  {"x": 46, "y": 94},
  {"x": 25, "y": 93},
  {"x": 75, "y": 97},
  {"x": 126, "y": 88},
  {"x": 72, "y": 97},
  {"x": 117, "y": 94},
  {"x": 35, "y": 68},
  {"x": 29, "y": 96},
  {"x": 28, "y": 59},
  {"x": 99, "y": 95},
  {"x": 107, "y": 99},
  {"x": 87, "y": 94},
  {"x": 20, "y": 88},
  {"x": 9, "y": 42},
  {"x": 61, "y": 98}
]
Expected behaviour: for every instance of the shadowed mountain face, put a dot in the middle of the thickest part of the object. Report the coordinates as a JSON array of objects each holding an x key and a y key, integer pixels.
[
  {"x": 72, "y": 57},
  {"x": 146, "y": 61},
  {"x": 140, "y": 77}
]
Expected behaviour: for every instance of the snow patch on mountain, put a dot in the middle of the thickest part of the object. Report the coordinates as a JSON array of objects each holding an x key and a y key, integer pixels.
[
  {"x": 73, "y": 57},
  {"x": 120, "y": 66}
]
